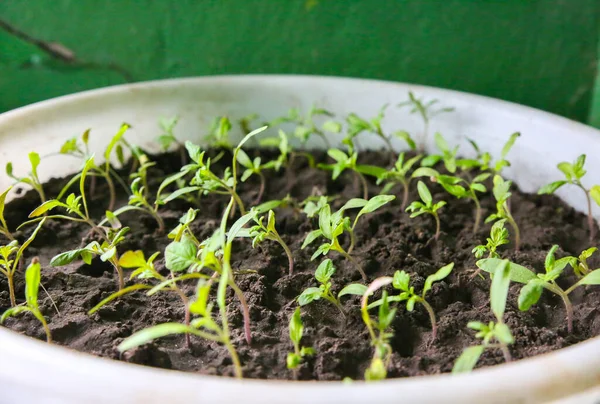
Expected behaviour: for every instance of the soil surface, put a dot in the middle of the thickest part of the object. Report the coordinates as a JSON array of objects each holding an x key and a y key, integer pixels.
[{"x": 387, "y": 240}]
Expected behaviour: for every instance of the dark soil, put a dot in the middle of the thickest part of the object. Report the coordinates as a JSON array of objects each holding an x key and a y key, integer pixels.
[{"x": 386, "y": 241}]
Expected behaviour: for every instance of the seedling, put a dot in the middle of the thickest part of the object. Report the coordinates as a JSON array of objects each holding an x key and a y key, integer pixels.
[
  {"x": 574, "y": 173},
  {"x": 426, "y": 110},
  {"x": 32, "y": 179},
  {"x": 426, "y": 206},
  {"x": 306, "y": 127},
  {"x": 259, "y": 232},
  {"x": 10, "y": 259},
  {"x": 3, "y": 226},
  {"x": 253, "y": 167},
  {"x": 323, "y": 275},
  {"x": 333, "y": 225},
  {"x": 345, "y": 161},
  {"x": 536, "y": 283},
  {"x": 32, "y": 285},
  {"x": 168, "y": 139},
  {"x": 498, "y": 237},
  {"x": 485, "y": 158},
  {"x": 448, "y": 156},
  {"x": 494, "y": 335},
  {"x": 357, "y": 125},
  {"x": 582, "y": 268},
  {"x": 218, "y": 133},
  {"x": 401, "y": 281},
  {"x": 502, "y": 193},
  {"x": 380, "y": 340},
  {"x": 294, "y": 359}
]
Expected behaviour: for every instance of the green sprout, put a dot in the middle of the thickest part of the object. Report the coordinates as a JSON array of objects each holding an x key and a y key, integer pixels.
[
  {"x": 380, "y": 340},
  {"x": 168, "y": 139},
  {"x": 536, "y": 283},
  {"x": 345, "y": 161},
  {"x": 3, "y": 226},
  {"x": 333, "y": 225},
  {"x": 259, "y": 232},
  {"x": 573, "y": 173},
  {"x": 485, "y": 158},
  {"x": 218, "y": 133},
  {"x": 426, "y": 206},
  {"x": 448, "y": 156},
  {"x": 498, "y": 237},
  {"x": 357, "y": 125},
  {"x": 294, "y": 359},
  {"x": 10, "y": 260},
  {"x": 582, "y": 268},
  {"x": 32, "y": 179},
  {"x": 306, "y": 127},
  {"x": 426, "y": 110},
  {"x": 323, "y": 275},
  {"x": 494, "y": 335},
  {"x": 203, "y": 325},
  {"x": 254, "y": 167},
  {"x": 401, "y": 281},
  {"x": 32, "y": 286},
  {"x": 502, "y": 193}
]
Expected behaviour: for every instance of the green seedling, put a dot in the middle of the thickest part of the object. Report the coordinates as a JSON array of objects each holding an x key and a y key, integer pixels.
[
  {"x": 32, "y": 179},
  {"x": 357, "y": 125},
  {"x": 168, "y": 139},
  {"x": 461, "y": 188},
  {"x": 254, "y": 167},
  {"x": 107, "y": 251},
  {"x": 245, "y": 122},
  {"x": 426, "y": 110},
  {"x": 32, "y": 286},
  {"x": 294, "y": 359},
  {"x": 426, "y": 206},
  {"x": 313, "y": 205},
  {"x": 333, "y": 225},
  {"x": 399, "y": 174},
  {"x": 498, "y": 237},
  {"x": 574, "y": 172},
  {"x": 502, "y": 194},
  {"x": 323, "y": 275},
  {"x": 404, "y": 135},
  {"x": 582, "y": 268},
  {"x": 3, "y": 226},
  {"x": 536, "y": 283},
  {"x": 260, "y": 232},
  {"x": 218, "y": 133},
  {"x": 485, "y": 158},
  {"x": 401, "y": 281},
  {"x": 494, "y": 335},
  {"x": 10, "y": 260},
  {"x": 306, "y": 127},
  {"x": 380, "y": 340},
  {"x": 204, "y": 325},
  {"x": 345, "y": 161},
  {"x": 448, "y": 156}
]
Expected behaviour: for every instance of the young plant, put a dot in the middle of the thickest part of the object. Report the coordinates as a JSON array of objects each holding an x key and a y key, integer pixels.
[
  {"x": 345, "y": 161},
  {"x": 582, "y": 268},
  {"x": 294, "y": 359},
  {"x": 32, "y": 179},
  {"x": 574, "y": 173},
  {"x": 401, "y": 281},
  {"x": 502, "y": 193},
  {"x": 426, "y": 206},
  {"x": 323, "y": 275},
  {"x": 168, "y": 139},
  {"x": 218, "y": 133},
  {"x": 306, "y": 126},
  {"x": 333, "y": 225},
  {"x": 485, "y": 158},
  {"x": 10, "y": 260},
  {"x": 3, "y": 226},
  {"x": 253, "y": 167},
  {"x": 448, "y": 156},
  {"x": 536, "y": 283},
  {"x": 498, "y": 237},
  {"x": 357, "y": 125},
  {"x": 260, "y": 232},
  {"x": 426, "y": 110},
  {"x": 32, "y": 285},
  {"x": 380, "y": 340},
  {"x": 494, "y": 335}
]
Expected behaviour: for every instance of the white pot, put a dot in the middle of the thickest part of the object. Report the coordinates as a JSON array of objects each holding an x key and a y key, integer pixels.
[{"x": 32, "y": 371}]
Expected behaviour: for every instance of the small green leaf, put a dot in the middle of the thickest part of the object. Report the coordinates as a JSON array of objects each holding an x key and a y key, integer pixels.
[
  {"x": 438, "y": 276},
  {"x": 178, "y": 193},
  {"x": 424, "y": 193},
  {"x": 33, "y": 277},
  {"x": 593, "y": 278},
  {"x": 113, "y": 142},
  {"x": 9, "y": 169},
  {"x": 293, "y": 360},
  {"x": 310, "y": 237},
  {"x": 332, "y": 126},
  {"x": 309, "y": 295},
  {"x": 509, "y": 144},
  {"x": 325, "y": 271},
  {"x": 468, "y": 359},
  {"x": 595, "y": 194},
  {"x": 518, "y": 273},
  {"x": 45, "y": 207},
  {"x": 503, "y": 334},
  {"x": 401, "y": 281},
  {"x": 35, "y": 160},
  {"x": 239, "y": 224},
  {"x": 66, "y": 257},
  {"x": 425, "y": 172},
  {"x": 243, "y": 159},
  {"x": 440, "y": 142},
  {"x": 337, "y": 155},
  {"x": 13, "y": 311},
  {"x": 151, "y": 333},
  {"x": 356, "y": 289},
  {"x": 354, "y": 203},
  {"x": 116, "y": 295},
  {"x": 530, "y": 294},
  {"x": 180, "y": 255},
  {"x": 132, "y": 259},
  {"x": 499, "y": 289},
  {"x": 375, "y": 203},
  {"x": 404, "y": 135},
  {"x": 296, "y": 327}
]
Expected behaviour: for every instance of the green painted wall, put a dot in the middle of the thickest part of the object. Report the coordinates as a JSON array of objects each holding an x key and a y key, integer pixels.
[{"x": 537, "y": 52}]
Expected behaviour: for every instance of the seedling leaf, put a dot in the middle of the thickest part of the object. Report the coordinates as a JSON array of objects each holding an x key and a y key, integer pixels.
[
  {"x": 438, "y": 276},
  {"x": 518, "y": 273},
  {"x": 499, "y": 289},
  {"x": 353, "y": 289},
  {"x": 468, "y": 359}
]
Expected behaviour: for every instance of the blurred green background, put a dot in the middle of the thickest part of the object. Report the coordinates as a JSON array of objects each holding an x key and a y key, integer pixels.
[{"x": 542, "y": 53}]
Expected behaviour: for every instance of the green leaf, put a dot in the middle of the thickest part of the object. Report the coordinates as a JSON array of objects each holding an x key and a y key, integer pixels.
[
  {"x": 113, "y": 142},
  {"x": 424, "y": 193},
  {"x": 353, "y": 289},
  {"x": 33, "y": 277},
  {"x": 296, "y": 327},
  {"x": 530, "y": 294},
  {"x": 45, "y": 207},
  {"x": 518, "y": 273},
  {"x": 438, "y": 276},
  {"x": 441, "y": 143},
  {"x": 2, "y": 202},
  {"x": 116, "y": 295},
  {"x": 239, "y": 224},
  {"x": 332, "y": 126},
  {"x": 325, "y": 221},
  {"x": 132, "y": 259},
  {"x": 594, "y": 193},
  {"x": 593, "y": 278},
  {"x": 178, "y": 193},
  {"x": 499, "y": 289},
  {"x": 13, "y": 311},
  {"x": 309, "y": 295},
  {"x": 325, "y": 271},
  {"x": 401, "y": 281},
  {"x": 310, "y": 237},
  {"x": 425, "y": 172},
  {"x": 404, "y": 135},
  {"x": 243, "y": 159},
  {"x": 468, "y": 359},
  {"x": 35, "y": 160},
  {"x": 337, "y": 155},
  {"x": 9, "y": 169},
  {"x": 373, "y": 171},
  {"x": 567, "y": 169},
  {"x": 353, "y": 204},
  {"x": 375, "y": 203},
  {"x": 549, "y": 262},
  {"x": 503, "y": 334},
  {"x": 509, "y": 144},
  {"x": 151, "y": 333},
  {"x": 180, "y": 255},
  {"x": 66, "y": 257}
]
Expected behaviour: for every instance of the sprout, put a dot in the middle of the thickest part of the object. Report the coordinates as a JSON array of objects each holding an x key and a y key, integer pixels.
[
  {"x": 306, "y": 127},
  {"x": 502, "y": 194},
  {"x": 426, "y": 206},
  {"x": 167, "y": 139},
  {"x": 32, "y": 178},
  {"x": 3, "y": 226},
  {"x": 296, "y": 330},
  {"x": 357, "y": 125}
]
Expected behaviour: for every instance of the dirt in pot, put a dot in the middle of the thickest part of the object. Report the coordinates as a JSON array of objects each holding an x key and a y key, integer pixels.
[{"x": 386, "y": 241}]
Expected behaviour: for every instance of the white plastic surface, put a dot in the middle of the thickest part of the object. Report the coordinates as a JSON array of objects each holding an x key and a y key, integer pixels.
[{"x": 31, "y": 371}]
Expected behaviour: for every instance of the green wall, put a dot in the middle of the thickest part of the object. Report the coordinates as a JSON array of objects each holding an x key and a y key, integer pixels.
[{"x": 535, "y": 52}]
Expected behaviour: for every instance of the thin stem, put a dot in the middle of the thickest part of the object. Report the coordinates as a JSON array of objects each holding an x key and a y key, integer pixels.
[
  {"x": 11, "y": 290},
  {"x": 566, "y": 301},
  {"x": 159, "y": 220},
  {"x": 288, "y": 252},
  {"x": 431, "y": 318},
  {"x": 245, "y": 310},
  {"x": 590, "y": 214},
  {"x": 45, "y": 326},
  {"x": 121, "y": 280},
  {"x": 477, "y": 213},
  {"x": 363, "y": 182},
  {"x": 506, "y": 353},
  {"x": 352, "y": 240},
  {"x": 261, "y": 189},
  {"x": 437, "y": 225},
  {"x": 353, "y": 261},
  {"x": 111, "y": 190},
  {"x": 515, "y": 228},
  {"x": 186, "y": 318},
  {"x": 238, "y": 201},
  {"x": 389, "y": 146},
  {"x": 404, "y": 195},
  {"x": 335, "y": 302},
  {"x": 237, "y": 366}
]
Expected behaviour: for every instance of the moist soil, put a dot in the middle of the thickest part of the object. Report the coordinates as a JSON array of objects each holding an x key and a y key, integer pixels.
[{"x": 387, "y": 240}]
